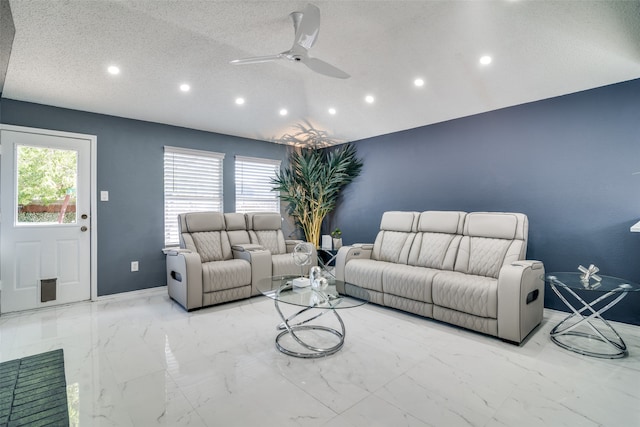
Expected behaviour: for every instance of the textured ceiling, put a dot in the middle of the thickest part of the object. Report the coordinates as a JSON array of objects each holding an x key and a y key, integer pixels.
[{"x": 540, "y": 49}]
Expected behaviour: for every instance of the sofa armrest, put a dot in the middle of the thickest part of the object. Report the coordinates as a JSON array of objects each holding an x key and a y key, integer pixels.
[
  {"x": 347, "y": 253},
  {"x": 249, "y": 247},
  {"x": 291, "y": 243},
  {"x": 260, "y": 260},
  {"x": 184, "y": 278},
  {"x": 520, "y": 299}
]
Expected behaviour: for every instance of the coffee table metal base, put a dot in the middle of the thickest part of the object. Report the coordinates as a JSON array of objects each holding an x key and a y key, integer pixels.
[
  {"x": 568, "y": 325},
  {"x": 290, "y": 327}
]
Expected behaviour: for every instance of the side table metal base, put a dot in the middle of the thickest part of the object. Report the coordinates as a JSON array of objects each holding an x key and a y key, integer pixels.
[{"x": 567, "y": 326}]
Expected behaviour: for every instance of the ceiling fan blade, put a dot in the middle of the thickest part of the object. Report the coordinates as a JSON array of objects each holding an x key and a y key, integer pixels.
[
  {"x": 256, "y": 59},
  {"x": 307, "y": 27},
  {"x": 319, "y": 66}
]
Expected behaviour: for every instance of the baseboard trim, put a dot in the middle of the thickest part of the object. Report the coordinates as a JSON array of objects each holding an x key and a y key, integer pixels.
[{"x": 158, "y": 290}]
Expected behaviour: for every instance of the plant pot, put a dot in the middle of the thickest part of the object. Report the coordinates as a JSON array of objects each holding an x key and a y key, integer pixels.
[{"x": 337, "y": 244}]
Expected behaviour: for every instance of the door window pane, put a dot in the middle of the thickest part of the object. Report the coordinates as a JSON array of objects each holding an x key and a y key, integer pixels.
[{"x": 47, "y": 182}]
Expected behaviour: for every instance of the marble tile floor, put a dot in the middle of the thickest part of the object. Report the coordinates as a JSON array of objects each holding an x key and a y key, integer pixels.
[{"x": 143, "y": 361}]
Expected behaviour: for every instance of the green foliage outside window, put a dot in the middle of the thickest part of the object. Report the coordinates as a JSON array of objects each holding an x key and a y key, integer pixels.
[{"x": 45, "y": 175}]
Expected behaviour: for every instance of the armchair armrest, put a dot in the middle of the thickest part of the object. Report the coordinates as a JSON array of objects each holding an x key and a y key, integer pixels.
[
  {"x": 260, "y": 260},
  {"x": 174, "y": 251},
  {"x": 347, "y": 253},
  {"x": 365, "y": 246},
  {"x": 184, "y": 278},
  {"x": 291, "y": 243},
  {"x": 520, "y": 299},
  {"x": 250, "y": 247}
]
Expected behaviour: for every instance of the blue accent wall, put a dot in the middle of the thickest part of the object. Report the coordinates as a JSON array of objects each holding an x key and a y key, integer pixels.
[
  {"x": 566, "y": 162},
  {"x": 130, "y": 166}
]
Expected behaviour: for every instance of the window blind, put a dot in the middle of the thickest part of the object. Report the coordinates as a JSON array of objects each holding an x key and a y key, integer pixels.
[
  {"x": 192, "y": 183},
  {"x": 253, "y": 185}
]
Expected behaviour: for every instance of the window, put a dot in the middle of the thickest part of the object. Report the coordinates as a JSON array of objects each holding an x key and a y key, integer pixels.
[
  {"x": 47, "y": 180},
  {"x": 192, "y": 183},
  {"x": 253, "y": 185}
]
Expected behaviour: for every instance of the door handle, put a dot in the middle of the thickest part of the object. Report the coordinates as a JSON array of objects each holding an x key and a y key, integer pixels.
[
  {"x": 83, "y": 228},
  {"x": 84, "y": 216}
]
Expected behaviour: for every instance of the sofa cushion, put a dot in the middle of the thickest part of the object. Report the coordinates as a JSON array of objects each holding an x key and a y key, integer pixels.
[
  {"x": 476, "y": 295},
  {"x": 434, "y": 250},
  {"x": 265, "y": 229},
  {"x": 491, "y": 241},
  {"x": 399, "y": 221},
  {"x": 450, "y": 222},
  {"x": 272, "y": 240},
  {"x": 393, "y": 242},
  {"x": 284, "y": 264},
  {"x": 219, "y": 275},
  {"x": 202, "y": 221},
  {"x": 496, "y": 225},
  {"x": 482, "y": 256},
  {"x": 235, "y": 221},
  {"x": 236, "y": 227},
  {"x": 436, "y": 242},
  {"x": 408, "y": 282},
  {"x": 212, "y": 246},
  {"x": 392, "y": 246},
  {"x": 366, "y": 273},
  {"x": 264, "y": 221}
]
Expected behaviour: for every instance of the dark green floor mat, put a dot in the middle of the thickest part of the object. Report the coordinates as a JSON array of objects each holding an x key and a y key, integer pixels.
[{"x": 33, "y": 391}]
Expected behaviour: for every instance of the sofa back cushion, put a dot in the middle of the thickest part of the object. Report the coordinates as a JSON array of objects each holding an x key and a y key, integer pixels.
[
  {"x": 491, "y": 240},
  {"x": 397, "y": 231},
  {"x": 236, "y": 227},
  {"x": 437, "y": 240},
  {"x": 204, "y": 233},
  {"x": 265, "y": 229}
]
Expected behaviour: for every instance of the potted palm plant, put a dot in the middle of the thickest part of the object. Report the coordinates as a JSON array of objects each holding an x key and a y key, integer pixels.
[{"x": 313, "y": 180}]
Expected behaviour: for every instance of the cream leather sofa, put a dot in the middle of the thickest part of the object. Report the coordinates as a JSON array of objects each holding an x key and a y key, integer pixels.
[
  {"x": 221, "y": 258},
  {"x": 467, "y": 269}
]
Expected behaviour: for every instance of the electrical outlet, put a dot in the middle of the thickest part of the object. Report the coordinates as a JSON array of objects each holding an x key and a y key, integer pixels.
[{"x": 134, "y": 265}]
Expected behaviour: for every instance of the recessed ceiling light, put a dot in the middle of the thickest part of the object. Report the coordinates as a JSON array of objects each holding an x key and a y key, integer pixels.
[
  {"x": 485, "y": 60},
  {"x": 185, "y": 87},
  {"x": 239, "y": 101},
  {"x": 332, "y": 111},
  {"x": 283, "y": 112},
  {"x": 418, "y": 82},
  {"x": 113, "y": 70},
  {"x": 369, "y": 99}
]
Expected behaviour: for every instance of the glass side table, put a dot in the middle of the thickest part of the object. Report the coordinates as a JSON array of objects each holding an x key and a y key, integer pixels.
[
  {"x": 609, "y": 291},
  {"x": 327, "y": 259}
]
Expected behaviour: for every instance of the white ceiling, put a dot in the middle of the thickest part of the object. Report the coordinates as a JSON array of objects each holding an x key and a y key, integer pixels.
[{"x": 540, "y": 49}]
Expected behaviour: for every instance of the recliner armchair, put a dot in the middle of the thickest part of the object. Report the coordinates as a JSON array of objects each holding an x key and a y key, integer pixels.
[
  {"x": 223, "y": 257},
  {"x": 265, "y": 229},
  {"x": 204, "y": 270}
]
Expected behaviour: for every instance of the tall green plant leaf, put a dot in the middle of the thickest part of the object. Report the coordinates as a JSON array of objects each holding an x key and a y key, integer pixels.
[{"x": 312, "y": 183}]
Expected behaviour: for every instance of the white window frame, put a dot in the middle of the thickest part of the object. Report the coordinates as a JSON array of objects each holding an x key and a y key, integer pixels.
[
  {"x": 256, "y": 173},
  {"x": 192, "y": 183}
]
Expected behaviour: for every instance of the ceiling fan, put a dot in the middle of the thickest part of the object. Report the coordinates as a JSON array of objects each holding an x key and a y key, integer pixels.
[{"x": 307, "y": 26}]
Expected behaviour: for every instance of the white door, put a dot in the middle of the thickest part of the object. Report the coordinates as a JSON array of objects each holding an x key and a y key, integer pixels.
[{"x": 45, "y": 219}]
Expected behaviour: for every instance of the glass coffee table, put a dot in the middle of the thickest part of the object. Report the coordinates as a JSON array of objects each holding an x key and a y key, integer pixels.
[
  {"x": 609, "y": 291},
  {"x": 310, "y": 338}
]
